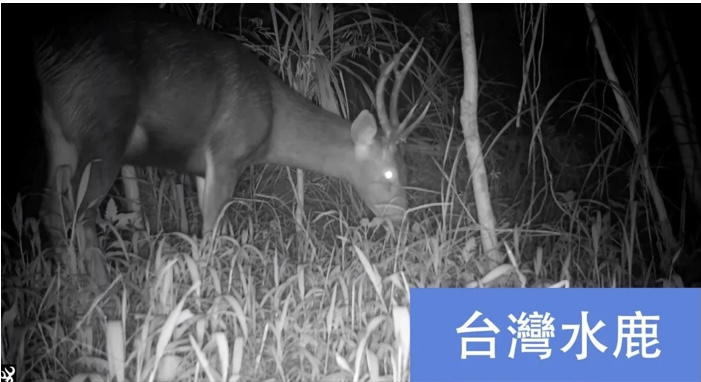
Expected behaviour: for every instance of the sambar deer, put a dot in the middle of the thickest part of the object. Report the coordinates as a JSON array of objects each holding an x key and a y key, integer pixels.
[{"x": 131, "y": 85}]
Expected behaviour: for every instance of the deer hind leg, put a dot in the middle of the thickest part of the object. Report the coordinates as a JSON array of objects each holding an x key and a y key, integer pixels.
[
  {"x": 104, "y": 158},
  {"x": 95, "y": 134},
  {"x": 62, "y": 161}
]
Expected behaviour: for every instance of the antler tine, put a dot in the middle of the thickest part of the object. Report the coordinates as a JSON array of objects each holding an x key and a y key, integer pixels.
[
  {"x": 399, "y": 78},
  {"x": 402, "y": 131},
  {"x": 400, "y": 75},
  {"x": 380, "y": 97},
  {"x": 390, "y": 125}
]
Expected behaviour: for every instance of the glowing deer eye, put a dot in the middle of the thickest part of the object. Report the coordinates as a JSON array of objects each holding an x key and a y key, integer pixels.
[{"x": 389, "y": 174}]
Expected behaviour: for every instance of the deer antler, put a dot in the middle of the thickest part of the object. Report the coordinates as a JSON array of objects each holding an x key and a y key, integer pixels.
[{"x": 393, "y": 129}]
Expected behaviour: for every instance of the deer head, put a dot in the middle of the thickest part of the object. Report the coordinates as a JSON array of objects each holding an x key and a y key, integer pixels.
[{"x": 382, "y": 178}]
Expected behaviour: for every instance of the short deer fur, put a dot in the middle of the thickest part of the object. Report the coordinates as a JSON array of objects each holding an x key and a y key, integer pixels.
[{"x": 142, "y": 87}]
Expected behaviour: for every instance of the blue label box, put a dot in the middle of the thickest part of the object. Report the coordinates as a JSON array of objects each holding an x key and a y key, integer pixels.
[{"x": 556, "y": 335}]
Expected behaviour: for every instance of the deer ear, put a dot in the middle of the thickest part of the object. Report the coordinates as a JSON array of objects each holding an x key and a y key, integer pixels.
[{"x": 363, "y": 131}]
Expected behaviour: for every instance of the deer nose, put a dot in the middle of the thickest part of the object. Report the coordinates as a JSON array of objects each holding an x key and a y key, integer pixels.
[{"x": 393, "y": 211}]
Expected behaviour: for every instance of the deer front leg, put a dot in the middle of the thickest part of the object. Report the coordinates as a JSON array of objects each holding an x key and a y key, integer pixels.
[{"x": 219, "y": 184}]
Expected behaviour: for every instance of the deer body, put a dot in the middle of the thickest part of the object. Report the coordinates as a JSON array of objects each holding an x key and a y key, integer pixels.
[{"x": 136, "y": 86}]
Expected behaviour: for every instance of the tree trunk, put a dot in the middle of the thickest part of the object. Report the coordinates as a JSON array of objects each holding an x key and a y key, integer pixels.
[
  {"x": 633, "y": 130},
  {"x": 676, "y": 97},
  {"x": 473, "y": 145}
]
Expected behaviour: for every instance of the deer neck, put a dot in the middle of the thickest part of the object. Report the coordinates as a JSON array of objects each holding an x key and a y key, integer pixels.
[{"x": 308, "y": 137}]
